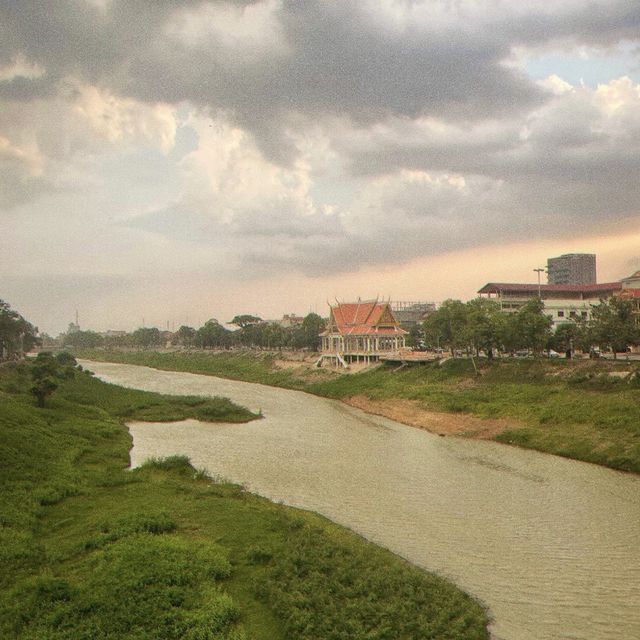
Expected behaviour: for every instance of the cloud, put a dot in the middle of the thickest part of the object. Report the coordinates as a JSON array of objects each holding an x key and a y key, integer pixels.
[
  {"x": 576, "y": 156},
  {"x": 284, "y": 59},
  {"x": 419, "y": 187},
  {"x": 47, "y": 143},
  {"x": 240, "y": 205},
  {"x": 318, "y": 137}
]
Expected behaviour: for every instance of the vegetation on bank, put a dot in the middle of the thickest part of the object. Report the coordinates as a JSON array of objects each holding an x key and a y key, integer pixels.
[
  {"x": 584, "y": 410},
  {"x": 246, "y": 365},
  {"x": 91, "y": 550}
]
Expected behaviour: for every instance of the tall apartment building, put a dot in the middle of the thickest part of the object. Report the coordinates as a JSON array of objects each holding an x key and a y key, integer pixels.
[{"x": 572, "y": 268}]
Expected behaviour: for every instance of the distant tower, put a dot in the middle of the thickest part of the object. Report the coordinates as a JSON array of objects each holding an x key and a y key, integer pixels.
[
  {"x": 74, "y": 327},
  {"x": 572, "y": 268}
]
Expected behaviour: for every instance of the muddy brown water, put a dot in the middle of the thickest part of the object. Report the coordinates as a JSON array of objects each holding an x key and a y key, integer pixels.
[{"x": 551, "y": 546}]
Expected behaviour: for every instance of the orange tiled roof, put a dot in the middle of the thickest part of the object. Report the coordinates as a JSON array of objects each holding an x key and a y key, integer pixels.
[{"x": 363, "y": 318}]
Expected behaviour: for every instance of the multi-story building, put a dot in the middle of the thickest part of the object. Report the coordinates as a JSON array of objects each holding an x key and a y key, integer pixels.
[
  {"x": 572, "y": 269},
  {"x": 562, "y": 303}
]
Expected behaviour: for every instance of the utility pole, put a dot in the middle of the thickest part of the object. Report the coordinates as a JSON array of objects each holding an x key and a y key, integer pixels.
[{"x": 539, "y": 271}]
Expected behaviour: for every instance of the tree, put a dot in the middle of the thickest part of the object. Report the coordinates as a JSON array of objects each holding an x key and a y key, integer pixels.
[
  {"x": 185, "y": 335},
  {"x": 484, "y": 325},
  {"x": 245, "y": 320},
  {"x": 45, "y": 373},
  {"x": 531, "y": 328},
  {"x": 17, "y": 336},
  {"x": 415, "y": 337},
  {"x": 567, "y": 337},
  {"x": 83, "y": 339},
  {"x": 447, "y": 325},
  {"x": 212, "y": 334},
  {"x": 613, "y": 324},
  {"x": 147, "y": 337},
  {"x": 307, "y": 335}
]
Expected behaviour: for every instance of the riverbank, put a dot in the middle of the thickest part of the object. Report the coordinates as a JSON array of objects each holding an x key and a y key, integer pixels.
[
  {"x": 411, "y": 413},
  {"x": 81, "y": 534},
  {"x": 584, "y": 410}
]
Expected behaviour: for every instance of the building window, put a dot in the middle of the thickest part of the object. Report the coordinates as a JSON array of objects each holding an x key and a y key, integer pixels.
[
  {"x": 584, "y": 314},
  {"x": 560, "y": 314},
  {"x": 573, "y": 314}
]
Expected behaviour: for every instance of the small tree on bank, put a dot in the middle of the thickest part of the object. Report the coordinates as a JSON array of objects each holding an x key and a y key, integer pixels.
[{"x": 47, "y": 371}]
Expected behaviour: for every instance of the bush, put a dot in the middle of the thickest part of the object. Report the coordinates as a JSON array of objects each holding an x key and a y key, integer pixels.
[
  {"x": 178, "y": 463},
  {"x": 144, "y": 587},
  {"x": 258, "y": 555}
]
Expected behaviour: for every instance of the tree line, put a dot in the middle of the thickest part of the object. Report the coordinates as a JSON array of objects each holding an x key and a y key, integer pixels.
[
  {"x": 481, "y": 326},
  {"x": 250, "y": 331}
]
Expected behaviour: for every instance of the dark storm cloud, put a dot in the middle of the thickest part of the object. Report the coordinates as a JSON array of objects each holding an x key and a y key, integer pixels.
[
  {"x": 590, "y": 23},
  {"x": 338, "y": 61}
]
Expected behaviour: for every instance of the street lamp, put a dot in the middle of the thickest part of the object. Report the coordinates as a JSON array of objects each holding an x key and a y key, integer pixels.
[{"x": 539, "y": 271}]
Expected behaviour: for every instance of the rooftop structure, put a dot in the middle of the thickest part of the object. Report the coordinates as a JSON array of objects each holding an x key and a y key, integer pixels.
[
  {"x": 290, "y": 320},
  {"x": 572, "y": 269},
  {"x": 411, "y": 312},
  {"x": 360, "y": 332},
  {"x": 632, "y": 281},
  {"x": 549, "y": 291}
]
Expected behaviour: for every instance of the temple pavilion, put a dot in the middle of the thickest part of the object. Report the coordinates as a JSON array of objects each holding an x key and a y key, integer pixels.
[{"x": 360, "y": 332}]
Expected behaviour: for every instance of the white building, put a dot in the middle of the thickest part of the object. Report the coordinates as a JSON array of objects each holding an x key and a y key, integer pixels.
[{"x": 562, "y": 303}]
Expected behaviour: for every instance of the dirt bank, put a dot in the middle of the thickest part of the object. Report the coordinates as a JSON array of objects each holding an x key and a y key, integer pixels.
[{"x": 450, "y": 424}]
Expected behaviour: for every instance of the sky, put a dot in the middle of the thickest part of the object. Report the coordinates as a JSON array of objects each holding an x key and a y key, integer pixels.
[{"x": 163, "y": 162}]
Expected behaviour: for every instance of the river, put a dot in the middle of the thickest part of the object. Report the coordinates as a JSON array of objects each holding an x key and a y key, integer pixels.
[{"x": 551, "y": 546}]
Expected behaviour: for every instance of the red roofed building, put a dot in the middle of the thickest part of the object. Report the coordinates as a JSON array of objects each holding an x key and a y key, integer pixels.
[
  {"x": 361, "y": 332},
  {"x": 562, "y": 302}
]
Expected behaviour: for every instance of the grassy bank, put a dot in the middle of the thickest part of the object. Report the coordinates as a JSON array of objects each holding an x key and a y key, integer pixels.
[
  {"x": 249, "y": 366},
  {"x": 581, "y": 410},
  {"x": 92, "y": 550}
]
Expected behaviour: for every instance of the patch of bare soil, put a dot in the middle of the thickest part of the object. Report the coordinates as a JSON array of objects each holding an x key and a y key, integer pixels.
[
  {"x": 447, "y": 424},
  {"x": 304, "y": 368}
]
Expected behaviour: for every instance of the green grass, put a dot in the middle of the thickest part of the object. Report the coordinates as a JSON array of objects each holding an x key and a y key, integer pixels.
[
  {"x": 91, "y": 550},
  {"x": 250, "y": 366},
  {"x": 572, "y": 409},
  {"x": 132, "y": 405}
]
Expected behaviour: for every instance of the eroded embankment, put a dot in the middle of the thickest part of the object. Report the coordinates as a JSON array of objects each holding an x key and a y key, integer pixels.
[{"x": 410, "y": 412}]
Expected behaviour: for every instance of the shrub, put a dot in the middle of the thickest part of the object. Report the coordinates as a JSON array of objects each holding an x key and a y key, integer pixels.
[{"x": 258, "y": 555}]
